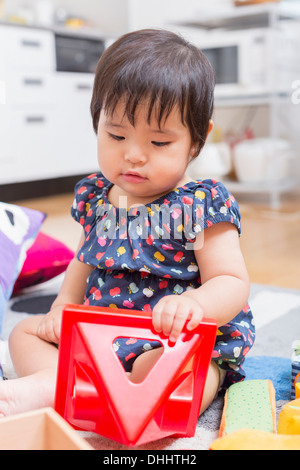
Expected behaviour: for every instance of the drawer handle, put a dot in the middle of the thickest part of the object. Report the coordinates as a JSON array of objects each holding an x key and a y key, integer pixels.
[
  {"x": 33, "y": 81},
  {"x": 30, "y": 43},
  {"x": 35, "y": 119},
  {"x": 83, "y": 86}
]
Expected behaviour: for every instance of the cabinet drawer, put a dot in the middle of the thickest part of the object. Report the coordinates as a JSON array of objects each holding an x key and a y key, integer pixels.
[
  {"x": 26, "y": 152},
  {"x": 9, "y": 168},
  {"x": 29, "y": 88},
  {"x": 34, "y": 133},
  {"x": 27, "y": 47}
]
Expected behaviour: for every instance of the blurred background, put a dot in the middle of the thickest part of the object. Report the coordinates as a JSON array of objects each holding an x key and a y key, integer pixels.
[{"x": 48, "y": 53}]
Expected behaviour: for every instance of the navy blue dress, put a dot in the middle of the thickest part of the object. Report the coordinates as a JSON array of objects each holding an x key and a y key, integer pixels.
[{"x": 142, "y": 254}]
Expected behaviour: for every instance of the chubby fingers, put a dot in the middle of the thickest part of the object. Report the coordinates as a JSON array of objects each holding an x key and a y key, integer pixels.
[
  {"x": 172, "y": 312},
  {"x": 45, "y": 331},
  {"x": 49, "y": 330}
]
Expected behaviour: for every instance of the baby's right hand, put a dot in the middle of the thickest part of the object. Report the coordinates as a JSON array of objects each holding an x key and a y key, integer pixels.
[{"x": 49, "y": 327}]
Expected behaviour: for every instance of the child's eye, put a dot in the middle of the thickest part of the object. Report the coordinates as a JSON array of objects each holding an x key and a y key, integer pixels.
[
  {"x": 119, "y": 138},
  {"x": 160, "y": 144}
]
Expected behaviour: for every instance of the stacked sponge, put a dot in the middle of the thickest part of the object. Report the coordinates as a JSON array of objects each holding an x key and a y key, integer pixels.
[{"x": 250, "y": 405}]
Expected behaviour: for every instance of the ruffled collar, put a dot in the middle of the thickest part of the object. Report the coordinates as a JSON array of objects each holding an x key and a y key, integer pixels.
[{"x": 188, "y": 188}]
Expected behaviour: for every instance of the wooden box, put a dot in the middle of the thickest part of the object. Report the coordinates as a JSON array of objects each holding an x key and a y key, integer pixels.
[{"x": 42, "y": 429}]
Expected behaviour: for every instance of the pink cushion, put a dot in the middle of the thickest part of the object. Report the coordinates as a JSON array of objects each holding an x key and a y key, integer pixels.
[
  {"x": 19, "y": 227},
  {"x": 46, "y": 259}
]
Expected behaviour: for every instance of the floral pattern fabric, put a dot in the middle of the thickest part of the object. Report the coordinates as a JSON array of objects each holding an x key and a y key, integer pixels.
[{"x": 143, "y": 253}]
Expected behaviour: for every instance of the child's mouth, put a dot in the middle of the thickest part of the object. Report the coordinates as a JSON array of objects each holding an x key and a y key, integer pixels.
[{"x": 131, "y": 177}]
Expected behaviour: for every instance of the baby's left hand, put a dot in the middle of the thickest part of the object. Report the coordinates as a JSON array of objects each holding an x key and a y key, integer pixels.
[{"x": 171, "y": 313}]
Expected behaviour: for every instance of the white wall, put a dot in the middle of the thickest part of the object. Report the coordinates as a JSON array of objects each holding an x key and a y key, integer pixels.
[{"x": 157, "y": 13}]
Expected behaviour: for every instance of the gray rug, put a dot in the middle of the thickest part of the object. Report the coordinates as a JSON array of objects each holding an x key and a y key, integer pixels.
[{"x": 277, "y": 314}]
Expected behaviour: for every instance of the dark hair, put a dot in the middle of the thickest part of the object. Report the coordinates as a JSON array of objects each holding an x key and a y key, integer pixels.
[{"x": 161, "y": 68}]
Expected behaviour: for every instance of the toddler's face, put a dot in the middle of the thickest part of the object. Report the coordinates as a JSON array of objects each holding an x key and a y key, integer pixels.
[{"x": 143, "y": 161}]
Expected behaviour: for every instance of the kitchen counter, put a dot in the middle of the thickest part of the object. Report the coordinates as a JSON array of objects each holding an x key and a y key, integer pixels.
[{"x": 85, "y": 32}]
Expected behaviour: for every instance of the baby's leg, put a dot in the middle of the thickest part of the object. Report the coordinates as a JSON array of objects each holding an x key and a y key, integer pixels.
[
  {"x": 35, "y": 362},
  {"x": 144, "y": 362},
  {"x": 211, "y": 386}
]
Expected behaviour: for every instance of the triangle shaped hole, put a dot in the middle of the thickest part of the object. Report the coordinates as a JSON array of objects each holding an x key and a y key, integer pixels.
[{"x": 137, "y": 356}]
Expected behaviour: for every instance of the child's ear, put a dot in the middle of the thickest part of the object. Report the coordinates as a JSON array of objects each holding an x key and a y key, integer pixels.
[
  {"x": 195, "y": 148},
  {"x": 194, "y": 151},
  {"x": 210, "y": 128}
]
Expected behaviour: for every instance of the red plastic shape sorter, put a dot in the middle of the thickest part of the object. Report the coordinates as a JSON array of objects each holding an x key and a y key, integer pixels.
[{"x": 94, "y": 393}]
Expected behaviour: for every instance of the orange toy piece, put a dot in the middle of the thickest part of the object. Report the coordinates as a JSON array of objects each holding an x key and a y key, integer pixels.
[
  {"x": 297, "y": 386},
  {"x": 289, "y": 418},
  {"x": 255, "y": 439},
  {"x": 94, "y": 393}
]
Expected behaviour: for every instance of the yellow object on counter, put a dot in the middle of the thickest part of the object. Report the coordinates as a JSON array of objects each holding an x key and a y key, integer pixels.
[
  {"x": 16, "y": 19},
  {"x": 289, "y": 418},
  {"x": 75, "y": 23}
]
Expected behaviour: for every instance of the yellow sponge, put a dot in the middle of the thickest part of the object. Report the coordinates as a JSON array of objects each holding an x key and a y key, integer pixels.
[
  {"x": 249, "y": 405},
  {"x": 252, "y": 439}
]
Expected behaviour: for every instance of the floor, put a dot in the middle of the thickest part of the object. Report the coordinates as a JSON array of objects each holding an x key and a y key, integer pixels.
[{"x": 270, "y": 239}]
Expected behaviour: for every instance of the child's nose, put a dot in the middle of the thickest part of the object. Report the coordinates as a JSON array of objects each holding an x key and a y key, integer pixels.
[{"x": 135, "y": 155}]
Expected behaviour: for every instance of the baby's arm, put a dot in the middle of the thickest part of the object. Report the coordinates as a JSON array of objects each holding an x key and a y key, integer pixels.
[
  {"x": 71, "y": 292},
  {"x": 224, "y": 290}
]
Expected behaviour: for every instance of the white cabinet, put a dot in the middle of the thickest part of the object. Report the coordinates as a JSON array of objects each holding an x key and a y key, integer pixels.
[
  {"x": 8, "y": 160},
  {"x": 29, "y": 88},
  {"x": 27, "y": 68},
  {"x": 75, "y": 143},
  {"x": 33, "y": 129},
  {"x": 45, "y": 125},
  {"x": 28, "y": 48}
]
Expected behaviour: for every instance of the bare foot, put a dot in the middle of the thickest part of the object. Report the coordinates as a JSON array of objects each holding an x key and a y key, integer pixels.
[{"x": 28, "y": 393}]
